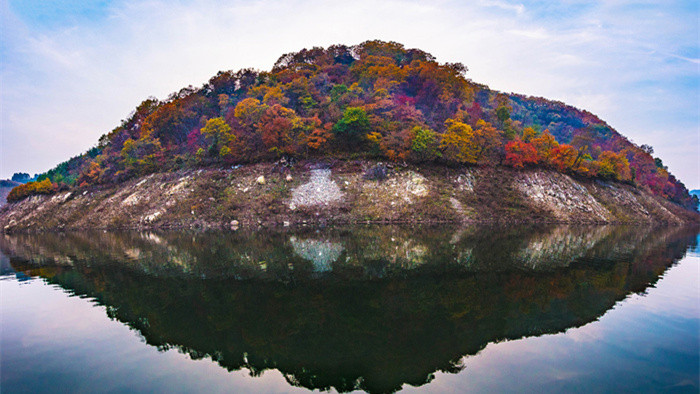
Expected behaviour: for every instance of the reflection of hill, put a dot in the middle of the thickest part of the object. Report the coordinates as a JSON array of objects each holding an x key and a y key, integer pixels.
[
  {"x": 358, "y": 252},
  {"x": 323, "y": 330}
]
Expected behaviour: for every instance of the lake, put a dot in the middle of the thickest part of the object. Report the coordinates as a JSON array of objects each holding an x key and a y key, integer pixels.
[{"x": 366, "y": 308}]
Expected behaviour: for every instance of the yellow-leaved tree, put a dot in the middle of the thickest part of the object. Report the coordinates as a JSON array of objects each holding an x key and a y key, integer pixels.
[
  {"x": 219, "y": 136},
  {"x": 457, "y": 142}
]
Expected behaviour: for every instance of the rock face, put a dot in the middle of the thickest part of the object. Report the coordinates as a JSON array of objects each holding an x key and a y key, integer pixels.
[
  {"x": 562, "y": 196},
  {"x": 320, "y": 190},
  {"x": 339, "y": 193}
]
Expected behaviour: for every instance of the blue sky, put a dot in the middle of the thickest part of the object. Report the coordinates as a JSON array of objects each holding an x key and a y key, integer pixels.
[{"x": 71, "y": 70}]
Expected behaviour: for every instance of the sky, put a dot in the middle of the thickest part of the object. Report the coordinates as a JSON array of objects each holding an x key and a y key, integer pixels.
[{"x": 71, "y": 70}]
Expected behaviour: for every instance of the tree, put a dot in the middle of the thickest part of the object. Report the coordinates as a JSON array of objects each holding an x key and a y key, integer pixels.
[
  {"x": 142, "y": 156},
  {"x": 424, "y": 144},
  {"x": 457, "y": 143},
  {"x": 352, "y": 127},
  {"x": 614, "y": 166},
  {"x": 563, "y": 157},
  {"x": 270, "y": 95},
  {"x": 218, "y": 134},
  {"x": 276, "y": 128},
  {"x": 648, "y": 149},
  {"x": 319, "y": 136},
  {"x": 486, "y": 142},
  {"x": 90, "y": 174},
  {"x": 520, "y": 154},
  {"x": 529, "y": 134},
  {"x": 30, "y": 189},
  {"x": 249, "y": 111},
  {"x": 21, "y": 177},
  {"x": 545, "y": 144}
]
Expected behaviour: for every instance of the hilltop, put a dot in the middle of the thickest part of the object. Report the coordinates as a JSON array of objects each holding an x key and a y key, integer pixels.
[{"x": 373, "y": 102}]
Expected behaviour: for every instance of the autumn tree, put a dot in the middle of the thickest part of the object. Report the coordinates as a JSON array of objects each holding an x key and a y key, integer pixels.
[
  {"x": 613, "y": 165},
  {"x": 457, "y": 142},
  {"x": 486, "y": 141},
  {"x": 529, "y": 134},
  {"x": 28, "y": 189},
  {"x": 219, "y": 136},
  {"x": 520, "y": 154},
  {"x": 281, "y": 130},
  {"x": 142, "y": 156},
  {"x": 319, "y": 136},
  {"x": 90, "y": 174},
  {"x": 563, "y": 157},
  {"x": 545, "y": 145}
]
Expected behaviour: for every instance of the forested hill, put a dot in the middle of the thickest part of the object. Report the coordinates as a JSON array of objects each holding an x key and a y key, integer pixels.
[{"x": 372, "y": 100}]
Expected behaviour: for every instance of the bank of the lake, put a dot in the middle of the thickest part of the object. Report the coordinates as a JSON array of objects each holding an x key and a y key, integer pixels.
[{"x": 341, "y": 192}]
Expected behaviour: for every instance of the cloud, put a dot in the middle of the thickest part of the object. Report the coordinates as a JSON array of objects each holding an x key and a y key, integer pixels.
[{"x": 70, "y": 79}]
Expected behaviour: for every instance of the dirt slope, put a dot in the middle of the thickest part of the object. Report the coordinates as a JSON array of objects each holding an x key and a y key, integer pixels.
[{"x": 326, "y": 193}]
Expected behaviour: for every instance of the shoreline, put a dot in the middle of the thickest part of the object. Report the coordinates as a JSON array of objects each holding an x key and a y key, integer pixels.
[{"x": 321, "y": 194}]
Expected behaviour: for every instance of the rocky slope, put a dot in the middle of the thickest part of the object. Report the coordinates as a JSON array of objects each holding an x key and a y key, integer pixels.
[{"x": 340, "y": 192}]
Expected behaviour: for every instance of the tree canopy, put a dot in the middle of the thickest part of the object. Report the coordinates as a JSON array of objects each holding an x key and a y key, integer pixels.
[{"x": 377, "y": 99}]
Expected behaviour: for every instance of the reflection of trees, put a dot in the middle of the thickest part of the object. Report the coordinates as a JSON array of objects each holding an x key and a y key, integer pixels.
[
  {"x": 339, "y": 331},
  {"x": 371, "y": 251}
]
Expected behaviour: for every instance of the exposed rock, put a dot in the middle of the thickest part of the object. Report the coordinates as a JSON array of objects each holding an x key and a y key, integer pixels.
[
  {"x": 408, "y": 194},
  {"x": 260, "y": 180},
  {"x": 152, "y": 217},
  {"x": 133, "y": 199},
  {"x": 62, "y": 197},
  {"x": 561, "y": 195},
  {"x": 465, "y": 181},
  {"x": 320, "y": 190},
  {"x": 416, "y": 184}
]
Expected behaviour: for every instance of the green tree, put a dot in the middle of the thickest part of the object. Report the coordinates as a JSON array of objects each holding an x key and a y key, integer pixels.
[
  {"x": 21, "y": 177},
  {"x": 424, "y": 144},
  {"x": 353, "y": 126}
]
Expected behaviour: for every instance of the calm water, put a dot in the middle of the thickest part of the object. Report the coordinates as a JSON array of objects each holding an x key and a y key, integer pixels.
[{"x": 378, "y": 309}]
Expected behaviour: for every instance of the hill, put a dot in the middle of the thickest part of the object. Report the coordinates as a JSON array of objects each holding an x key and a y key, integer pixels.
[{"x": 373, "y": 101}]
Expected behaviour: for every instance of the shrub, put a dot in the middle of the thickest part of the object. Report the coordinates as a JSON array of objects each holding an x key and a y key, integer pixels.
[{"x": 21, "y": 192}]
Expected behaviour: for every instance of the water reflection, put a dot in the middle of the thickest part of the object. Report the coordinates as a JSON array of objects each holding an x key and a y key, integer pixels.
[{"x": 368, "y": 308}]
